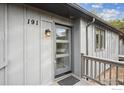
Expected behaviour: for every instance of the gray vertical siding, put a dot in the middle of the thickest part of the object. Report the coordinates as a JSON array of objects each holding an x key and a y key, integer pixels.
[
  {"x": 46, "y": 54},
  {"x": 15, "y": 45},
  {"x": 83, "y": 36},
  {"x": 2, "y": 36},
  {"x": 32, "y": 48},
  {"x": 76, "y": 47},
  {"x": 30, "y": 54},
  {"x": 111, "y": 42}
]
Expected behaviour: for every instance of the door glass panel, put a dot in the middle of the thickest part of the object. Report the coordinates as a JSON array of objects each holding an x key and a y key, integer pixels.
[
  {"x": 62, "y": 48},
  {"x": 61, "y": 34},
  {"x": 62, "y": 62}
]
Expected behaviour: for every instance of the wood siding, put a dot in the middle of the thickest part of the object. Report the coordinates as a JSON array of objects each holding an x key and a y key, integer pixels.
[
  {"x": 15, "y": 45},
  {"x": 111, "y": 43},
  {"x": 76, "y": 53},
  {"x": 30, "y": 54},
  {"x": 2, "y": 43}
]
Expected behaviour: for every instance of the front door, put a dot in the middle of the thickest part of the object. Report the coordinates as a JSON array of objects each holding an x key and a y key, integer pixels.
[{"x": 63, "y": 49}]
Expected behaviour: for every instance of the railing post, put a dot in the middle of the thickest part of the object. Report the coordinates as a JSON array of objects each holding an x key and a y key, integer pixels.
[
  {"x": 104, "y": 71},
  {"x": 82, "y": 65},
  {"x": 91, "y": 69},
  {"x": 99, "y": 71},
  {"x": 87, "y": 67},
  {"x": 116, "y": 75},
  {"x": 95, "y": 72},
  {"x": 110, "y": 73}
]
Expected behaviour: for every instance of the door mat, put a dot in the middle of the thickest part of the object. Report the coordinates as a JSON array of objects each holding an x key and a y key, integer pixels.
[{"x": 71, "y": 80}]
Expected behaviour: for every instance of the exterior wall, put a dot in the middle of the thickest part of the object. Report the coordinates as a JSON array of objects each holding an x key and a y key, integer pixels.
[
  {"x": 30, "y": 54},
  {"x": 15, "y": 45},
  {"x": 76, "y": 56},
  {"x": 111, "y": 43},
  {"x": 2, "y": 37}
]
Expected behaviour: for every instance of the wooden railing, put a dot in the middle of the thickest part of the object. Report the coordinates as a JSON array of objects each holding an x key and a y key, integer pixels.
[{"x": 102, "y": 71}]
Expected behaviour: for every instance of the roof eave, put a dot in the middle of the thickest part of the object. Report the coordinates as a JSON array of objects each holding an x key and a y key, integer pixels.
[{"x": 76, "y": 6}]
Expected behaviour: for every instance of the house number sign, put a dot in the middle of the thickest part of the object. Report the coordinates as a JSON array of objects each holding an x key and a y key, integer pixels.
[{"x": 32, "y": 21}]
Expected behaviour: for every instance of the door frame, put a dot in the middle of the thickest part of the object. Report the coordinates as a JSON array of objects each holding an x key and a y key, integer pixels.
[{"x": 70, "y": 48}]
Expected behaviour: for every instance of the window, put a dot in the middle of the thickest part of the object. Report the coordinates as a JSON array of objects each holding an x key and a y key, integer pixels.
[
  {"x": 123, "y": 41},
  {"x": 100, "y": 38}
]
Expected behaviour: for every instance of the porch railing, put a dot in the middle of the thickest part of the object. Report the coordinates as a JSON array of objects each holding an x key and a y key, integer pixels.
[{"x": 102, "y": 71}]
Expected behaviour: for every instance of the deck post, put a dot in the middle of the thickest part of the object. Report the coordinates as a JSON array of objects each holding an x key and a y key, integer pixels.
[{"x": 82, "y": 65}]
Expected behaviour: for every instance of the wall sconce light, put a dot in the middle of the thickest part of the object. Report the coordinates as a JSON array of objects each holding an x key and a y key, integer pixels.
[{"x": 47, "y": 33}]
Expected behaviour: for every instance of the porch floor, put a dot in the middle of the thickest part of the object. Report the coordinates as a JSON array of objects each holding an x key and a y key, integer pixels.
[{"x": 81, "y": 82}]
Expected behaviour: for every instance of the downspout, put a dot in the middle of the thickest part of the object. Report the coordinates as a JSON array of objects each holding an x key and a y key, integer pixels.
[{"x": 90, "y": 23}]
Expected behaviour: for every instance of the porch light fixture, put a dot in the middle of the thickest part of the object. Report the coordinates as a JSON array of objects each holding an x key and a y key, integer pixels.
[{"x": 47, "y": 33}]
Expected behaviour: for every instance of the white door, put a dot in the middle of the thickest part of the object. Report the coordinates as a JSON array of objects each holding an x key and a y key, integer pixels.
[{"x": 63, "y": 49}]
